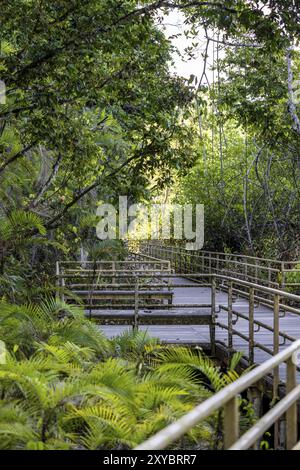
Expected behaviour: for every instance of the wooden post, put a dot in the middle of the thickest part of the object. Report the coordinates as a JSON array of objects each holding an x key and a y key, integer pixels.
[
  {"x": 254, "y": 396},
  {"x": 269, "y": 275},
  {"x": 282, "y": 276},
  {"x": 230, "y": 333},
  {"x": 256, "y": 272},
  {"x": 291, "y": 414},
  {"x": 276, "y": 343},
  {"x": 251, "y": 325},
  {"x": 231, "y": 422},
  {"x": 213, "y": 316},
  {"x": 276, "y": 369},
  {"x": 218, "y": 263},
  {"x": 246, "y": 269}
]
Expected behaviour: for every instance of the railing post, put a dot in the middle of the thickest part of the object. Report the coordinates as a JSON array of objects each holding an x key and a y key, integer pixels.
[
  {"x": 218, "y": 263},
  {"x": 136, "y": 304},
  {"x": 236, "y": 265},
  {"x": 276, "y": 343},
  {"x": 276, "y": 369},
  {"x": 231, "y": 422},
  {"x": 230, "y": 333},
  {"x": 291, "y": 414},
  {"x": 282, "y": 276},
  {"x": 251, "y": 325},
  {"x": 246, "y": 269},
  {"x": 213, "y": 316},
  {"x": 269, "y": 274},
  {"x": 256, "y": 272}
]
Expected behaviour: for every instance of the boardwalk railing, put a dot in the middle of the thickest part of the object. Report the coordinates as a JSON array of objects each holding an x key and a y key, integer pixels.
[
  {"x": 268, "y": 272},
  {"x": 146, "y": 295},
  {"x": 228, "y": 400},
  {"x": 135, "y": 297},
  {"x": 107, "y": 283}
]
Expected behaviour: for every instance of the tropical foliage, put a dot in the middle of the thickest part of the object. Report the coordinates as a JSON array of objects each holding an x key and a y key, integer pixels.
[
  {"x": 63, "y": 385},
  {"x": 92, "y": 111}
]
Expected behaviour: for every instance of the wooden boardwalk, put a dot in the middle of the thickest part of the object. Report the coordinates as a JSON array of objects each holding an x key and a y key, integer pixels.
[{"x": 199, "y": 335}]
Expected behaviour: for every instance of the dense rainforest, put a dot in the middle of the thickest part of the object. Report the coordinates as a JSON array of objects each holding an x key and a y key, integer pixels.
[{"x": 90, "y": 109}]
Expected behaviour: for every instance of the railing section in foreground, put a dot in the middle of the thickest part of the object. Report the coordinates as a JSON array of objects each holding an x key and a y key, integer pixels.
[{"x": 228, "y": 400}]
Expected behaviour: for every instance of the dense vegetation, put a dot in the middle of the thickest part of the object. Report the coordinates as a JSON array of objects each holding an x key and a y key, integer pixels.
[
  {"x": 65, "y": 386},
  {"x": 247, "y": 173},
  {"x": 92, "y": 112}
]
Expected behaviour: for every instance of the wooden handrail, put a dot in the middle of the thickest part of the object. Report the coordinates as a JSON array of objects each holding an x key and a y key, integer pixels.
[
  {"x": 234, "y": 280},
  {"x": 225, "y": 399},
  {"x": 231, "y": 285},
  {"x": 237, "y": 255},
  {"x": 264, "y": 270}
]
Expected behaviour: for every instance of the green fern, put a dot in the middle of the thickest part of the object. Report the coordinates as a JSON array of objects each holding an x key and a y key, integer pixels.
[{"x": 17, "y": 222}]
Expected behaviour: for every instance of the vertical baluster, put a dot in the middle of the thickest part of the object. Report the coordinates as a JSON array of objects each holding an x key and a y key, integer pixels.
[
  {"x": 276, "y": 370},
  {"x": 291, "y": 414},
  {"x": 231, "y": 422},
  {"x": 276, "y": 343},
  {"x": 269, "y": 275},
  {"x": 213, "y": 316},
  {"x": 256, "y": 271},
  {"x": 230, "y": 333},
  {"x": 282, "y": 276},
  {"x": 251, "y": 325}
]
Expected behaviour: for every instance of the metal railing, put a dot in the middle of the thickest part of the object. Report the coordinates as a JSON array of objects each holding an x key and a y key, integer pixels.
[
  {"x": 120, "y": 276},
  {"x": 141, "y": 263},
  {"x": 228, "y": 400},
  {"x": 137, "y": 288},
  {"x": 265, "y": 271}
]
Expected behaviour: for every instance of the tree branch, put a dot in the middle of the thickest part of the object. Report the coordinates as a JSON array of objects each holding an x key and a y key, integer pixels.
[
  {"x": 17, "y": 156},
  {"x": 45, "y": 186},
  {"x": 83, "y": 192}
]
